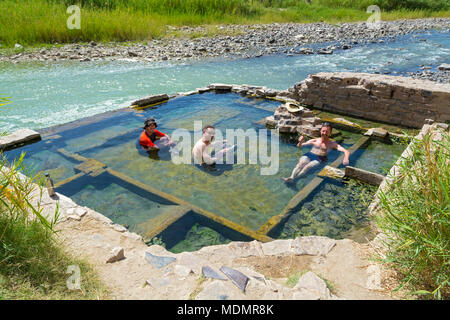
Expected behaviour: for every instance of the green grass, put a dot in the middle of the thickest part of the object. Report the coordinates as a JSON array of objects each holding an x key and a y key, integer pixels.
[
  {"x": 415, "y": 217},
  {"x": 292, "y": 280},
  {"x": 33, "y": 263},
  {"x": 37, "y": 22}
]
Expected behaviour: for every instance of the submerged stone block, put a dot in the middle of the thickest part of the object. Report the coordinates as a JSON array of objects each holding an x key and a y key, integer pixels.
[{"x": 364, "y": 176}]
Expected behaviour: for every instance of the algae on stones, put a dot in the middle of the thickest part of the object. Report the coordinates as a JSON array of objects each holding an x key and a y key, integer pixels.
[
  {"x": 333, "y": 211},
  {"x": 198, "y": 237}
]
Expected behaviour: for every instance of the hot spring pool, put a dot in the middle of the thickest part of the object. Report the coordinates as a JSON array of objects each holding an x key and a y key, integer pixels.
[{"x": 97, "y": 162}]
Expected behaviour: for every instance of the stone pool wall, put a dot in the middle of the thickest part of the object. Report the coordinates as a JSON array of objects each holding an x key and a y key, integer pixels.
[{"x": 394, "y": 100}]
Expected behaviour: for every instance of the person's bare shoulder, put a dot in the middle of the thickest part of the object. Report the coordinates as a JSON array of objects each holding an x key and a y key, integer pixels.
[{"x": 333, "y": 145}]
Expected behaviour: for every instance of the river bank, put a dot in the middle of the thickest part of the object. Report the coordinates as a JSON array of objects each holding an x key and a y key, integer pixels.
[{"x": 237, "y": 41}]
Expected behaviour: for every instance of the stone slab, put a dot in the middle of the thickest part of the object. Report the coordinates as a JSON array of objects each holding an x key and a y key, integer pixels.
[
  {"x": 364, "y": 176},
  {"x": 18, "y": 137}
]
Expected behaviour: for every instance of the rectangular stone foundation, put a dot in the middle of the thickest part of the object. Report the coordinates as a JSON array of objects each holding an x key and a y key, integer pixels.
[{"x": 395, "y": 100}]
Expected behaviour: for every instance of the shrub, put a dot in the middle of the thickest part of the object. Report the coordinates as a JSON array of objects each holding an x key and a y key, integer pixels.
[{"x": 415, "y": 218}]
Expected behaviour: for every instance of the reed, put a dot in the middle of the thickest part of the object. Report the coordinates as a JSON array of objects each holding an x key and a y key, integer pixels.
[
  {"x": 416, "y": 219},
  {"x": 33, "y": 263}
]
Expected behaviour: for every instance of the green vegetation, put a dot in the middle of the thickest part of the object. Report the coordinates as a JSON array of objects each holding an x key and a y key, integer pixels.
[
  {"x": 334, "y": 211},
  {"x": 37, "y": 22},
  {"x": 33, "y": 264},
  {"x": 415, "y": 217},
  {"x": 292, "y": 280},
  {"x": 198, "y": 237}
]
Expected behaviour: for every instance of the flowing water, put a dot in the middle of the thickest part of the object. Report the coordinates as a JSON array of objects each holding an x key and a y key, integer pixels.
[{"x": 46, "y": 95}]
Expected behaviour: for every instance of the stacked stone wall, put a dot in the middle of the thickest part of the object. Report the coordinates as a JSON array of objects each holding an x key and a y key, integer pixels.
[{"x": 394, "y": 100}]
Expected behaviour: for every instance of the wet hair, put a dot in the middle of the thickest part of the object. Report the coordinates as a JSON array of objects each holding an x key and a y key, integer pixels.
[
  {"x": 150, "y": 121},
  {"x": 326, "y": 124},
  {"x": 207, "y": 127}
]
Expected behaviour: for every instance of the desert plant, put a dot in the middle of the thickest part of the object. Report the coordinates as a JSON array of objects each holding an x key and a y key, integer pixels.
[{"x": 414, "y": 216}]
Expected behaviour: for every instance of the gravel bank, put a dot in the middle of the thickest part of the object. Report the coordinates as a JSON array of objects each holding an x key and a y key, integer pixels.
[{"x": 246, "y": 41}]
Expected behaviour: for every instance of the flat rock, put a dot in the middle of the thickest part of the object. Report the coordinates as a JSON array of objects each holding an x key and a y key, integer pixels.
[
  {"x": 312, "y": 245},
  {"x": 277, "y": 248},
  {"x": 209, "y": 272},
  {"x": 158, "y": 261},
  {"x": 182, "y": 271},
  {"x": 192, "y": 261},
  {"x": 18, "y": 137},
  {"x": 377, "y": 132},
  {"x": 215, "y": 290},
  {"x": 237, "y": 277},
  {"x": 158, "y": 283},
  {"x": 315, "y": 285}
]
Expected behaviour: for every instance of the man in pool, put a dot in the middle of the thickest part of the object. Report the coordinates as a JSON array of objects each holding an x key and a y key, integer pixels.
[
  {"x": 318, "y": 153},
  {"x": 150, "y": 136},
  {"x": 201, "y": 152}
]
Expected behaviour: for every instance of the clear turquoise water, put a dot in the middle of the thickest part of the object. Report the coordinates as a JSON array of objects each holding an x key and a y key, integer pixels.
[
  {"x": 44, "y": 95},
  {"x": 236, "y": 192}
]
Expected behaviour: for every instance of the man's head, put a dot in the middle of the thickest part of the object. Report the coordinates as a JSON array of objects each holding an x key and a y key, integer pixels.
[
  {"x": 150, "y": 125},
  {"x": 208, "y": 133},
  {"x": 325, "y": 130}
]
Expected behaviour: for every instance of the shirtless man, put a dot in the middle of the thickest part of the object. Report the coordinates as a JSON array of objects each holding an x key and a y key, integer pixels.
[
  {"x": 318, "y": 153},
  {"x": 201, "y": 153}
]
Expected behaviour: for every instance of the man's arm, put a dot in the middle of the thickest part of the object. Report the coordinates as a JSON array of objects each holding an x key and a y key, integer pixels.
[
  {"x": 345, "y": 162},
  {"x": 307, "y": 143}
]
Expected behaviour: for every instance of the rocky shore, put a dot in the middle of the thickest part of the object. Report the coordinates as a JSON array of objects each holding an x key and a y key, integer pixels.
[{"x": 235, "y": 41}]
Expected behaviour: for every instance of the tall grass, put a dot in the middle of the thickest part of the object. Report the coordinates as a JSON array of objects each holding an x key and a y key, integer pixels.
[
  {"x": 415, "y": 217},
  {"x": 31, "y": 22},
  {"x": 33, "y": 263}
]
